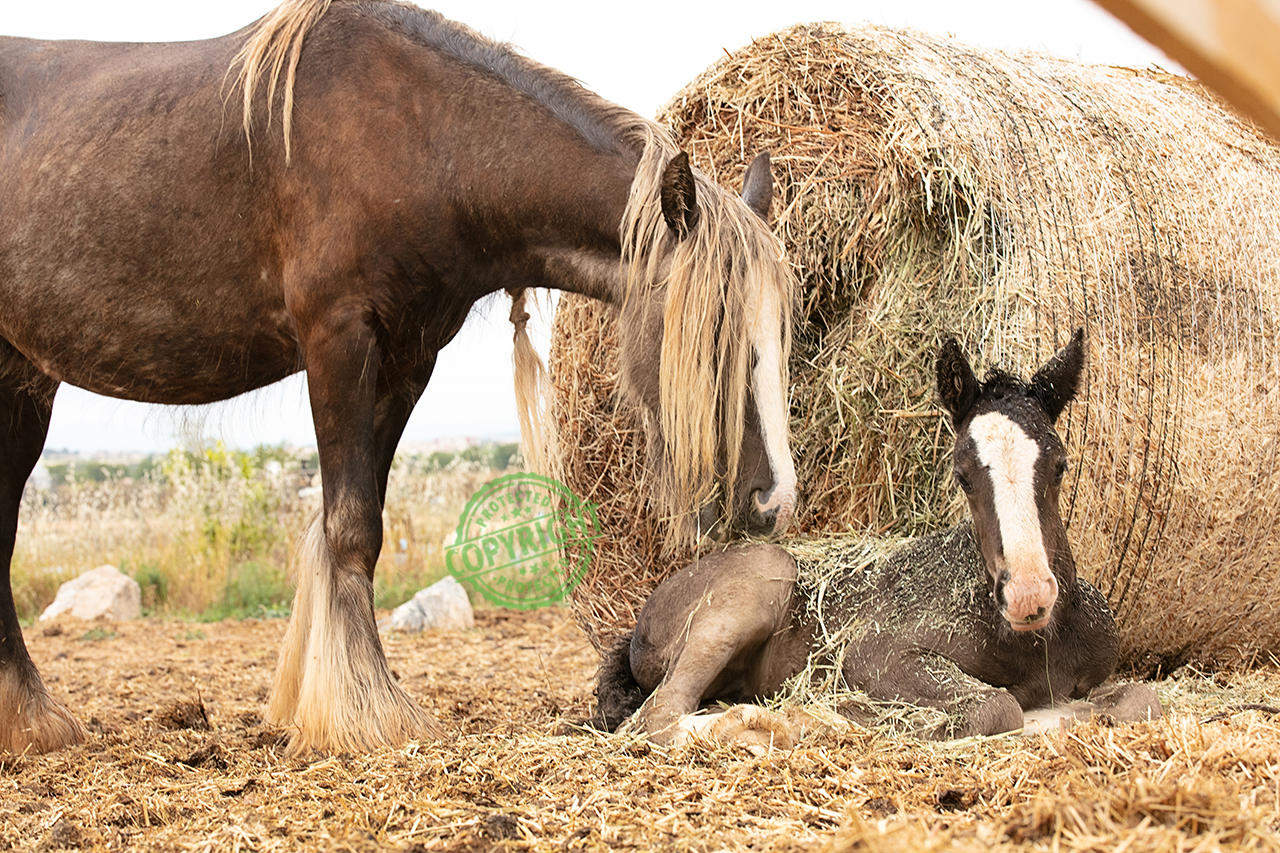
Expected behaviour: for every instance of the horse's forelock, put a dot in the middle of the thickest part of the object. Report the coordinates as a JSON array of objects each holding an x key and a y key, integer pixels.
[{"x": 713, "y": 281}]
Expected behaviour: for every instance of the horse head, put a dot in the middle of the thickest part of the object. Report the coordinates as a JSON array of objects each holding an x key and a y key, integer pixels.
[
  {"x": 705, "y": 333},
  {"x": 1009, "y": 462}
]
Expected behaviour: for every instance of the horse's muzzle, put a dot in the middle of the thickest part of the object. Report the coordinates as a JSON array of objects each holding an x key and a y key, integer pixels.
[
  {"x": 1026, "y": 603},
  {"x": 772, "y": 512}
]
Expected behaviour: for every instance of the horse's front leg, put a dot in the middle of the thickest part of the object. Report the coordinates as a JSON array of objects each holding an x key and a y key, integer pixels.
[
  {"x": 30, "y": 719},
  {"x": 930, "y": 679},
  {"x": 333, "y": 685}
]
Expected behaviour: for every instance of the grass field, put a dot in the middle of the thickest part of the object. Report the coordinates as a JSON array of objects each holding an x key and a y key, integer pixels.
[{"x": 208, "y": 535}]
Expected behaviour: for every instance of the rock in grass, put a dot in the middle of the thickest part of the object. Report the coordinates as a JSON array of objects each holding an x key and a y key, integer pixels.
[
  {"x": 444, "y": 604},
  {"x": 103, "y": 591}
]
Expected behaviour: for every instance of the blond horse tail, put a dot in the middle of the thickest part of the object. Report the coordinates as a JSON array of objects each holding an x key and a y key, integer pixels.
[{"x": 533, "y": 393}]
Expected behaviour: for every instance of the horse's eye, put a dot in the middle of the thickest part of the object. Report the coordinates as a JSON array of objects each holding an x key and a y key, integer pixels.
[
  {"x": 1060, "y": 471},
  {"x": 965, "y": 485}
]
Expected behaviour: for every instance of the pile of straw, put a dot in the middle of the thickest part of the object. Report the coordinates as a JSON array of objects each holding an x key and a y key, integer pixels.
[
  {"x": 178, "y": 759},
  {"x": 930, "y": 189}
]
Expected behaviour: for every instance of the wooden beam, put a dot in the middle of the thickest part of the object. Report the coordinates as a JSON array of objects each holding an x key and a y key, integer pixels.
[{"x": 1232, "y": 46}]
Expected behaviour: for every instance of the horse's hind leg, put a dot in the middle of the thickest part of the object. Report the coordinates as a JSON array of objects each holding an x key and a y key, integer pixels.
[
  {"x": 333, "y": 684},
  {"x": 30, "y": 719},
  {"x": 714, "y": 630}
]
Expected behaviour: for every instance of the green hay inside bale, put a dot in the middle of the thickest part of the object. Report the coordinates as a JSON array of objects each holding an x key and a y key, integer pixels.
[{"x": 930, "y": 189}]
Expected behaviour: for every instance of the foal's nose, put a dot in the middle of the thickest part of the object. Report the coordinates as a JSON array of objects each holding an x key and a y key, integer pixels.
[{"x": 1026, "y": 602}]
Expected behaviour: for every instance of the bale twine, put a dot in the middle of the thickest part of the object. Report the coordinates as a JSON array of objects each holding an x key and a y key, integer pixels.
[{"x": 928, "y": 188}]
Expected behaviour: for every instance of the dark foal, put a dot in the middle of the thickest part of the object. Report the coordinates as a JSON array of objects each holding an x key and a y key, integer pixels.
[
  {"x": 153, "y": 249},
  {"x": 985, "y": 621}
]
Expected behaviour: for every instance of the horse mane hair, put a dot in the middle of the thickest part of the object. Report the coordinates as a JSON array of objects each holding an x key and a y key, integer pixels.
[
  {"x": 709, "y": 317},
  {"x": 711, "y": 275},
  {"x": 275, "y": 47}
]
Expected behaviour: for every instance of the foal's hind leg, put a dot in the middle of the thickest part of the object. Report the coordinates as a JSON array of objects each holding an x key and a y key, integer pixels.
[
  {"x": 333, "y": 684},
  {"x": 715, "y": 630},
  {"x": 30, "y": 719}
]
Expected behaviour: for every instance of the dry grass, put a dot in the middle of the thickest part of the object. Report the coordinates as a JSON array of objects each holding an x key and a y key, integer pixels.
[
  {"x": 928, "y": 189},
  {"x": 213, "y": 533},
  {"x": 1205, "y": 778}
]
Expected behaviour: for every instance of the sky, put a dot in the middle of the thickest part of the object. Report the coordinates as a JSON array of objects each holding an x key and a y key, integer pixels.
[{"x": 636, "y": 54}]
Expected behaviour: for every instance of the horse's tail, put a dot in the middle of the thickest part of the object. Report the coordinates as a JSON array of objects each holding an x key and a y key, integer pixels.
[
  {"x": 618, "y": 696},
  {"x": 533, "y": 393},
  {"x": 274, "y": 49}
]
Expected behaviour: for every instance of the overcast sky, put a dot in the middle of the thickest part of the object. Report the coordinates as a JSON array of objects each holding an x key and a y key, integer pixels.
[{"x": 637, "y": 54}]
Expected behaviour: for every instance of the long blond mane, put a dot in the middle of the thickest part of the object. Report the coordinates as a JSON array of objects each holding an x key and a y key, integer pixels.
[
  {"x": 721, "y": 281},
  {"x": 718, "y": 279}
]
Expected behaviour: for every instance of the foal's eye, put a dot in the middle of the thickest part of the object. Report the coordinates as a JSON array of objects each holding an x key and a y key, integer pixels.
[
  {"x": 1060, "y": 472},
  {"x": 965, "y": 485}
]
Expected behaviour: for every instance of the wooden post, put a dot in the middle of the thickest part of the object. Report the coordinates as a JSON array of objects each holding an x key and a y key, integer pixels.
[{"x": 1232, "y": 46}]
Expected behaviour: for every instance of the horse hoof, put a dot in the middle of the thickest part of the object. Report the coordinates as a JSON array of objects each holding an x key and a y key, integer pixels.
[{"x": 36, "y": 723}]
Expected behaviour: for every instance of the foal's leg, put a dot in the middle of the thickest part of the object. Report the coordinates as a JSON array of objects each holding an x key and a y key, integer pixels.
[
  {"x": 29, "y": 718},
  {"x": 709, "y": 632},
  {"x": 929, "y": 679},
  {"x": 333, "y": 683}
]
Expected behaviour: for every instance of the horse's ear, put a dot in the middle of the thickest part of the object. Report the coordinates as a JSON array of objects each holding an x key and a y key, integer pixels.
[
  {"x": 957, "y": 386},
  {"x": 757, "y": 185},
  {"x": 679, "y": 196},
  {"x": 1055, "y": 384}
]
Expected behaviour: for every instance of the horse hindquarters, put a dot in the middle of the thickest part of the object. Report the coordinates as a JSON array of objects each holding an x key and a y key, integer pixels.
[
  {"x": 30, "y": 719},
  {"x": 715, "y": 630}
]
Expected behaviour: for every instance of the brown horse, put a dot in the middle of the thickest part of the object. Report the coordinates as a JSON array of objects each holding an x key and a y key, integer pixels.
[
  {"x": 153, "y": 249},
  {"x": 984, "y": 621}
]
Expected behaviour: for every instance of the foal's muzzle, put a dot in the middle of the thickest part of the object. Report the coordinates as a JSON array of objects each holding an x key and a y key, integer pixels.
[{"x": 1026, "y": 603}]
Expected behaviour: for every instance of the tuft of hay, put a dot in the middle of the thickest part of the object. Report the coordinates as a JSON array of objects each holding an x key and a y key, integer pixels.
[
  {"x": 929, "y": 189},
  {"x": 1195, "y": 780}
]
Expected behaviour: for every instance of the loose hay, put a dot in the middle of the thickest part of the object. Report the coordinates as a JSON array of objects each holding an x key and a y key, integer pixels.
[
  {"x": 929, "y": 188},
  {"x": 507, "y": 782}
]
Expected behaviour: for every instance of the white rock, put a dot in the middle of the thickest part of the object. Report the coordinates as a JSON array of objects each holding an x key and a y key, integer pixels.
[
  {"x": 444, "y": 604},
  {"x": 103, "y": 591}
]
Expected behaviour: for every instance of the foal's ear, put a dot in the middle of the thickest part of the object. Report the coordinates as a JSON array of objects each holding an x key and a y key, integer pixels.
[
  {"x": 757, "y": 185},
  {"x": 957, "y": 386},
  {"x": 679, "y": 196},
  {"x": 1055, "y": 384}
]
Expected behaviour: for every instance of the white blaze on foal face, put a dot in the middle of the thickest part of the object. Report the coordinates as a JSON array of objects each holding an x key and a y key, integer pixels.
[{"x": 1010, "y": 457}]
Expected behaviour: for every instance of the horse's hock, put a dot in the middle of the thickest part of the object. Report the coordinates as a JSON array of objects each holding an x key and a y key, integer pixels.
[{"x": 929, "y": 188}]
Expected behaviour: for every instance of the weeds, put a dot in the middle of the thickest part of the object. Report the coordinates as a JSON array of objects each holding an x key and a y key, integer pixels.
[{"x": 208, "y": 535}]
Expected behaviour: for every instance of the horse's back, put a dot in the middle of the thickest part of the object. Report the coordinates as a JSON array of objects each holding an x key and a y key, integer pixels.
[{"x": 133, "y": 246}]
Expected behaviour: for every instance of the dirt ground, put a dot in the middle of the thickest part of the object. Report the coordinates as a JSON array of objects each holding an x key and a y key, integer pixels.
[{"x": 160, "y": 773}]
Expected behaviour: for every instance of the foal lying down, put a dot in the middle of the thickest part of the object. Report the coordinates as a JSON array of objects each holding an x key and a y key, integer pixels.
[{"x": 985, "y": 622}]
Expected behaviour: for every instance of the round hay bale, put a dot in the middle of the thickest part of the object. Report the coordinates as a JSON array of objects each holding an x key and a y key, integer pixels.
[{"x": 929, "y": 189}]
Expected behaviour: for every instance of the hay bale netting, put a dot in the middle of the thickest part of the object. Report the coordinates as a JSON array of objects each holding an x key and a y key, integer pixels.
[{"x": 929, "y": 188}]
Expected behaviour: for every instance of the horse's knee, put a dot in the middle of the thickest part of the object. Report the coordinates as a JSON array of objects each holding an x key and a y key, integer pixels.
[
  {"x": 353, "y": 533},
  {"x": 990, "y": 712}
]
